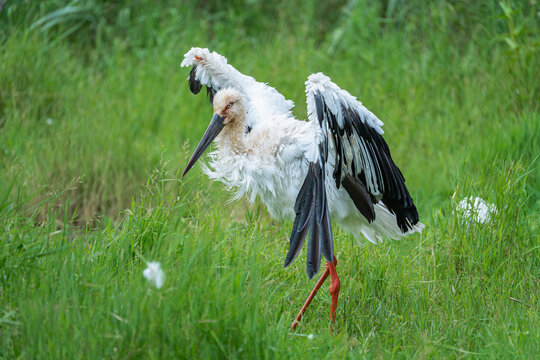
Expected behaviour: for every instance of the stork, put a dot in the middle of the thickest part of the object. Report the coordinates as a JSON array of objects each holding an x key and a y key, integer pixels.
[{"x": 334, "y": 166}]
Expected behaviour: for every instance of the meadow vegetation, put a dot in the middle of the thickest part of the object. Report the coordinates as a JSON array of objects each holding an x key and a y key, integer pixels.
[{"x": 97, "y": 122}]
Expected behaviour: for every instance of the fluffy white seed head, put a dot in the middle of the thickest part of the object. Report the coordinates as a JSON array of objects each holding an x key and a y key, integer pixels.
[
  {"x": 476, "y": 209},
  {"x": 154, "y": 274}
]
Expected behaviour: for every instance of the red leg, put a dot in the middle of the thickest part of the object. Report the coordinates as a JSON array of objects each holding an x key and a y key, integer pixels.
[
  {"x": 335, "y": 284},
  {"x": 330, "y": 269},
  {"x": 311, "y": 296}
]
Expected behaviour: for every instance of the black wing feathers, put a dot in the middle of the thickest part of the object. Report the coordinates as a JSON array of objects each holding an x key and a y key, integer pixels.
[
  {"x": 353, "y": 132},
  {"x": 303, "y": 210},
  {"x": 211, "y": 93},
  {"x": 314, "y": 247},
  {"x": 360, "y": 196},
  {"x": 319, "y": 105},
  {"x": 311, "y": 209},
  {"x": 324, "y": 113},
  {"x": 195, "y": 85}
]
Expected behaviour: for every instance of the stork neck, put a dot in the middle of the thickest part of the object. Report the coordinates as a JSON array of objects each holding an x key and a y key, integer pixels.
[{"x": 232, "y": 138}]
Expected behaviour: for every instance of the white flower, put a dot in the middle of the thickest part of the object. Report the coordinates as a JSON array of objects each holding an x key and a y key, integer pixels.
[
  {"x": 154, "y": 274},
  {"x": 476, "y": 209},
  {"x": 49, "y": 121},
  {"x": 311, "y": 337}
]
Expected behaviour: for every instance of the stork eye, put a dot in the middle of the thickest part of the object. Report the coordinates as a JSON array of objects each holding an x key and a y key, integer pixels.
[{"x": 230, "y": 105}]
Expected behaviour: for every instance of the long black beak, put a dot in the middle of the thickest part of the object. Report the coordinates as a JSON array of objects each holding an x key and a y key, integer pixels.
[{"x": 215, "y": 127}]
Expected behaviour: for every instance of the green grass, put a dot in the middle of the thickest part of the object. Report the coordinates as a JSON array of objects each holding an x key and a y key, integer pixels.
[{"x": 91, "y": 195}]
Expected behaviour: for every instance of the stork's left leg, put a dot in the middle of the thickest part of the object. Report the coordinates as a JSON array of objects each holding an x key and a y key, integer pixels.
[
  {"x": 311, "y": 296},
  {"x": 335, "y": 284}
]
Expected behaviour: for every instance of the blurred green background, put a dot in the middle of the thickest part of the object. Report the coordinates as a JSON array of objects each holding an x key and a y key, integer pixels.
[
  {"x": 455, "y": 82},
  {"x": 97, "y": 121}
]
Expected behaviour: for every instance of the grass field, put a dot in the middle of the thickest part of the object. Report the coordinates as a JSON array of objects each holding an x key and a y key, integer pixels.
[{"x": 96, "y": 125}]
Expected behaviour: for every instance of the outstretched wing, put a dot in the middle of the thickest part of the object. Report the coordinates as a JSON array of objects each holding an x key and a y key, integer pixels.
[
  {"x": 362, "y": 156},
  {"x": 351, "y": 138},
  {"x": 211, "y": 69}
]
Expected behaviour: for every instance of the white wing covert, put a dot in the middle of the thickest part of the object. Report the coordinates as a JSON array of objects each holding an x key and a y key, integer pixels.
[{"x": 211, "y": 69}]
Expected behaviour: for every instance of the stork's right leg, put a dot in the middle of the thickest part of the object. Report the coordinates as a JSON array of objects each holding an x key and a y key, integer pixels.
[{"x": 330, "y": 269}]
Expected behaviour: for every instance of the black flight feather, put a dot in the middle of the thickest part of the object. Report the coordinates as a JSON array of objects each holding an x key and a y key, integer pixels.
[
  {"x": 311, "y": 209},
  {"x": 319, "y": 106},
  {"x": 194, "y": 84},
  {"x": 314, "y": 248},
  {"x": 303, "y": 208},
  {"x": 211, "y": 93},
  {"x": 327, "y": 237},
  {"x": 359, "y": 195}
]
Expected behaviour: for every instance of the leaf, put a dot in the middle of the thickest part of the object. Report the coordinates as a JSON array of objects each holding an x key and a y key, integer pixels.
[
  {"x": 519, "y": 29},
  {"x": 512, "y": 43},
  {"x": 67, "y": 13},
  {"x": 506, "y": 9}
]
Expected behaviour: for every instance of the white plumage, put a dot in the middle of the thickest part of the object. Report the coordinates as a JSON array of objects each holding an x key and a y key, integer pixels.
[
  {"x": 213, "y": 70},
  {"x": 341, "y": 143}
]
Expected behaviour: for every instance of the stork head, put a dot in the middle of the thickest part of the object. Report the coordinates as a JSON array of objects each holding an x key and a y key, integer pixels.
[
  {"x": 229, "y": 104},
  {"x": 229, "y": 113}
]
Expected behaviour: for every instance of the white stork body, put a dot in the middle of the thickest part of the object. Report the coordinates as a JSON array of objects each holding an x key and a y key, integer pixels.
[
  {"x": 278, "y": 149},
  {"x": 274, "y": 167},
  {"x": 336, "y": 165}
]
